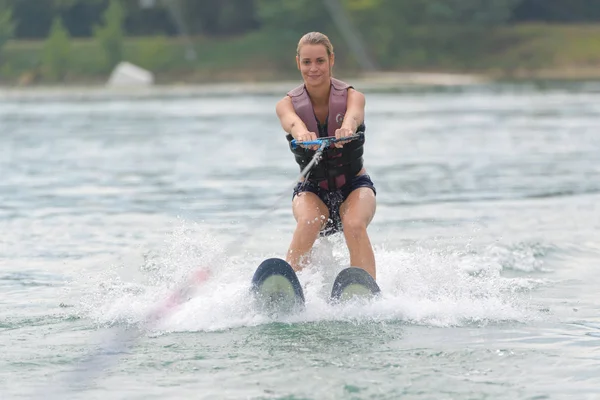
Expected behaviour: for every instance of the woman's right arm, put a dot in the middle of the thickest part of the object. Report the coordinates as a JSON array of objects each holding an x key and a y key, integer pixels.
[{"x": 291, "y": 122}]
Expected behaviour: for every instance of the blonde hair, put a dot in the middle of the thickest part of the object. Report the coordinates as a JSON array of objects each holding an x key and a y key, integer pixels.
[{"x": 315, "y": 38}]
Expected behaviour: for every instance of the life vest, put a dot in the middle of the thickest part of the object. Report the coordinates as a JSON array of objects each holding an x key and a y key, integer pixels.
[{"x": 338, "y": 166}]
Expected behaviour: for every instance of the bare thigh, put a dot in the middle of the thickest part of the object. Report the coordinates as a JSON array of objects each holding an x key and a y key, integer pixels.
[
  {"x": 307, "y": 206},
  {"x": 359, "y": 207}
]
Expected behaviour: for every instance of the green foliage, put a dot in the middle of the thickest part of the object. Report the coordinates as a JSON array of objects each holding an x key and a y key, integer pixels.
[
  {"x": 154, "y": 53},
  {"x": 57, "y": 52},
  {"x": 470, "y": 12},
  {"x": 7, "y": 27},
  {"x": 418, "y": 33},
  {"x": 226, "y": 17},
  {"x": 361, "y": 5},
  {"x": 288, "y": 20},
  {"x": 294, "y": 16},
  {"x": 199, "y": 16},
  {"x": 110, "y": 36},
  {"x": 571, "y": 11},
  {"x": 72, "y": 3},
  {"x": 521, "y": 50},
  {"x": 397, "y": 30},
  {"x": 238, "y": 16}
]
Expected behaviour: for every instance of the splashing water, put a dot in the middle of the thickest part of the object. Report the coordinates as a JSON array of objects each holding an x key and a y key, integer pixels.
[{"x": 419, "y": 286}]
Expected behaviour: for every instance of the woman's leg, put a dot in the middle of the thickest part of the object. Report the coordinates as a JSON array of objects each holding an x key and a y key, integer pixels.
[
  {"x": 311, "y": 215},
  {"x": 356, "y": 213}
]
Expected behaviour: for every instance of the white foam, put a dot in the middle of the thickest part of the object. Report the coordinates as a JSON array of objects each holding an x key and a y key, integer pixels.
[{"x": 419, "y": 286}]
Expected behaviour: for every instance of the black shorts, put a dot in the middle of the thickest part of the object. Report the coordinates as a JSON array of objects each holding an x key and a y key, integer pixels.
[{"x": 333, "y": 199}]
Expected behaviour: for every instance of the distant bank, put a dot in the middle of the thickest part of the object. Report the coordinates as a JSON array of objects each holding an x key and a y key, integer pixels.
[{"x": 540, "y": 51}]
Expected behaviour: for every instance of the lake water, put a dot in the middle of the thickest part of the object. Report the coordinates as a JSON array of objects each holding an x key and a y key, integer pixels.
[{"x": 486, "y": 242}]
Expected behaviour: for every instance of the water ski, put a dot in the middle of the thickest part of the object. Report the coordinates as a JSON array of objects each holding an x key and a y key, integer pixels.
[
  {"x": 276, "y": 287},
  {"x": 353, "y": 282}
]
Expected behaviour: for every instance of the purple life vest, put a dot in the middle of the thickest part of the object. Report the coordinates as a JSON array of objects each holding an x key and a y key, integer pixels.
[{"x": 338, "y": 98}]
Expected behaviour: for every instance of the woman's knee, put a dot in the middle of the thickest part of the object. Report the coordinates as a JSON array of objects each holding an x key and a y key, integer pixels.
[
  {"x": 354, "y": 226},
  {"x": 310, "y": 222}
]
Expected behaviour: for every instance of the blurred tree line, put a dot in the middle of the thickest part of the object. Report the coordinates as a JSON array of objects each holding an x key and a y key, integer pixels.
[
  {"x": 411, "y": 33},
  {"x": 33, "y": 19}
]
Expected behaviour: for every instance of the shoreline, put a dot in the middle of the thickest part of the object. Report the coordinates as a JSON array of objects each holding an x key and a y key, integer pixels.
[
  {"x": 255, "y": 61},
  {"x": 368, "y": 82}
]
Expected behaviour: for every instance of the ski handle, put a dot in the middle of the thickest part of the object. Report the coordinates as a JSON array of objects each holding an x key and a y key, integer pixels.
[{"x": 324, "y": 142}]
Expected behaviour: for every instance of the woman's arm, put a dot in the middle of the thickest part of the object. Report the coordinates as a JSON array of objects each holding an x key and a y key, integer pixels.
[
  {"x": 291, "y": 122},
  {"x": 354, "y": 117},
  {"x": 355, "y": 111}
]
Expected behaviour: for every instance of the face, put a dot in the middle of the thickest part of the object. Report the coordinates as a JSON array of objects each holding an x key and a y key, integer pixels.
[{"x": 314, "y": 64}]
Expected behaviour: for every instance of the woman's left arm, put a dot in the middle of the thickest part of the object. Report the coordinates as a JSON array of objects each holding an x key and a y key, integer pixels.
[
  {"x": 355, "y": 110},
  {"x": 354, "y": 117}
]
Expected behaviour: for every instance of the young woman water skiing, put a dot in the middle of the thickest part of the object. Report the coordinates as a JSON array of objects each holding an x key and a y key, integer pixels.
[{"x": 337, "y": 193}]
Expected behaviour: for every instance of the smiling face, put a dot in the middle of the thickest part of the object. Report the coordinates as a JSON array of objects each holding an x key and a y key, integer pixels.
[{"x": 314, "y": 64}]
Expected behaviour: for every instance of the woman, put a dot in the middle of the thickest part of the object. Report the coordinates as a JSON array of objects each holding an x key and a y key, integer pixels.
[{"x": 337, "y": 193}]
